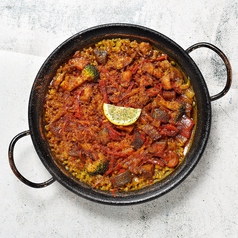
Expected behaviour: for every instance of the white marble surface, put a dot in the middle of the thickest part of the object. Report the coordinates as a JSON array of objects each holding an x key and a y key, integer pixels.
[{"x": 204, "y": 205}]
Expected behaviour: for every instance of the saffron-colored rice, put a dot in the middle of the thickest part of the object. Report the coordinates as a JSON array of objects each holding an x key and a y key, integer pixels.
[{"x": 131, "y": 74}]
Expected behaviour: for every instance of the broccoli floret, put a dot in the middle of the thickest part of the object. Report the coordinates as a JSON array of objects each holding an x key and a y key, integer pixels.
[
  {"x": 97, "y": 167},
  {"x": 90, "y": 73}
]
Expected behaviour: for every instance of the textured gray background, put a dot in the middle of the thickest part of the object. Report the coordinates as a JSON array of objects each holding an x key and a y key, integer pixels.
[{"x": 204, "y": 205}]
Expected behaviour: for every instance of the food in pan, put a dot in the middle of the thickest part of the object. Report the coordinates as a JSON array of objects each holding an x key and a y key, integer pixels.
[{"x": 120, "y": 115}]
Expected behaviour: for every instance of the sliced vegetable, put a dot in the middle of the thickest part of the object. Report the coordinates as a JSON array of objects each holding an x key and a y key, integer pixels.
[
  {"x": 160, "y": 115},
  {"x": 171, "y": 105},
  {"x": 137, "y": 141},
  {"x": 126, "y": 77},
  {"x": 165, "y": 81},
  {"x": 158, "y": 148},
  {"x": 169, "y": 130},
  {"x": 185, "y": 126},
  {"x": 177, "y": 115},
  {"x": 121, "y": 179},
  {"x": 151, "y": 132},
  {"x": 169, "y": 95},
  {"x": 104, "y": 136},
  {"x": 86, "y": 93},
  {"x": 172, "y": 159},
  {"x": 147, "y": 170},
  {"x": 101, "y": 56},
  {"x": 71, "y": 82}
]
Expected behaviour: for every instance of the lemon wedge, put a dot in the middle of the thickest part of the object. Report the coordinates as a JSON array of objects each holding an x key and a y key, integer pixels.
[{"x": 121, "y": 116}]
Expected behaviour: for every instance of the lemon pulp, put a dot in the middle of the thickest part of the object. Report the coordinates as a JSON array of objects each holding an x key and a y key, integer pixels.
[{"x": 121, "y": 116}]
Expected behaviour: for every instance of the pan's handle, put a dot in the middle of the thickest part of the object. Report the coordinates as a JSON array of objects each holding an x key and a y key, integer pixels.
[
  {"x": 226, "y": 62},
  {"x": 14, "y": 168}
]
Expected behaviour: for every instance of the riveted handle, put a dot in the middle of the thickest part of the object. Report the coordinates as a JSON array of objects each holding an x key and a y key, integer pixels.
[
  {"x": 226, "y": 62},
  {"x": 14, "y": 168}
]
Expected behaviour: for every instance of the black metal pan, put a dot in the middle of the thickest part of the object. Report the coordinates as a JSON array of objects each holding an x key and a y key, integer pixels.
[{"x": 88, "y": 37}]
